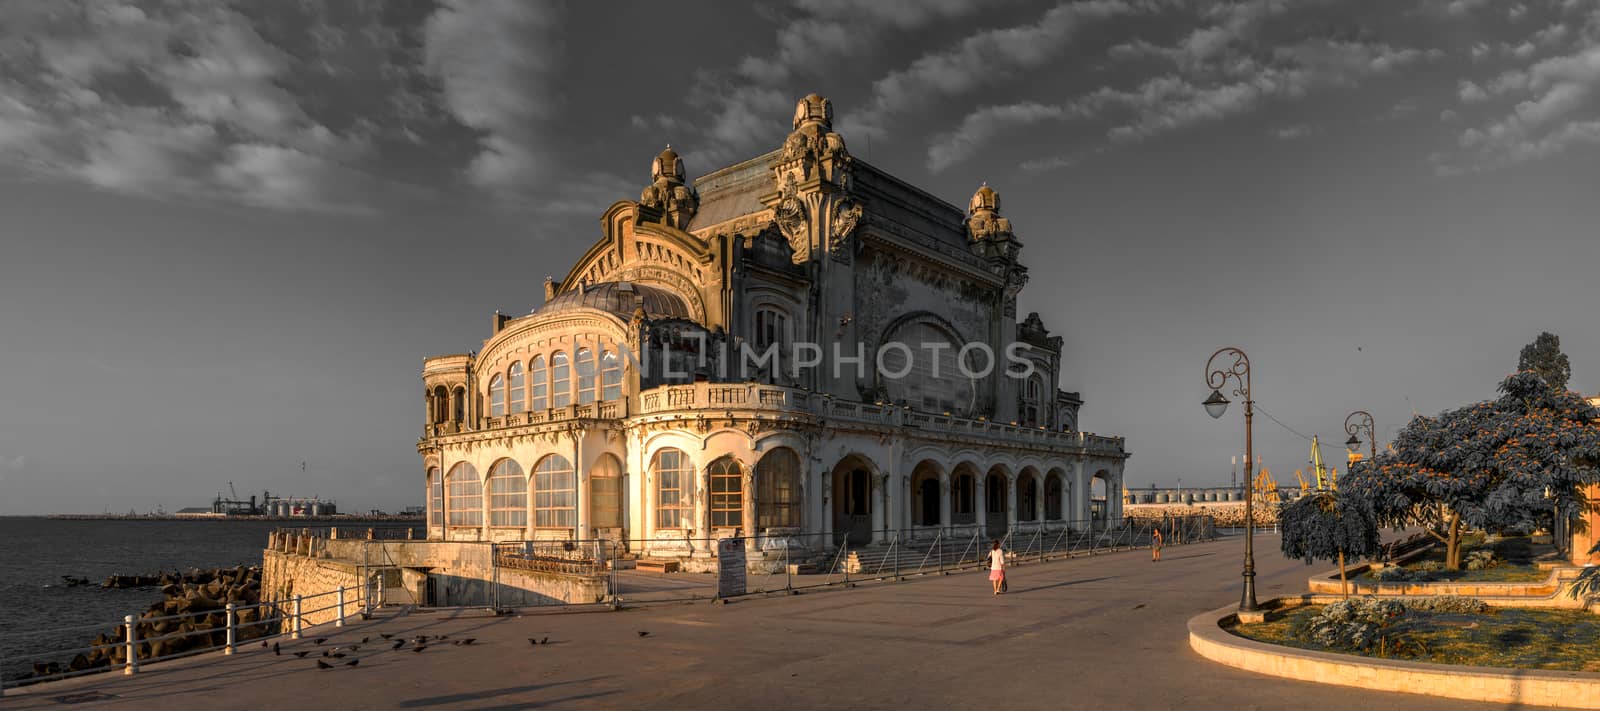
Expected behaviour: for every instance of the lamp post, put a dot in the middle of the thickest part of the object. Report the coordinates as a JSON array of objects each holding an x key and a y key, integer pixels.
[
  {"x": 1217, "y": 377},
  {"x": 1359, "y": 422}
]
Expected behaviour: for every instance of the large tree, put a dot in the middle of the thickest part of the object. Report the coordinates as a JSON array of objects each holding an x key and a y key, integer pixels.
[
  {"x": 1544, "y": 357},
  {"x": 1512, "y": 462},
  {"x": 1331, "y": 526}
]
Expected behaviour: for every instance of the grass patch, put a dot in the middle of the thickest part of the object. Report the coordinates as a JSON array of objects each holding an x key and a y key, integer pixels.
[
  {"x": 1516, "y": 556},
  {"x": 1510, "y": 638}
]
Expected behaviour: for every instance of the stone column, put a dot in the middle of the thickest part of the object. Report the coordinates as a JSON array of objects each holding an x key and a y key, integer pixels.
[
  {"x": 980, "y": 501},
  {"x": 1080, "y": 495},
  {"x": 702, "y": 512},
  {"x": 1013, "y": 496},
  {"x": 825, "y": 505},
  {"x": 946, "y": 482},
  {"x": 580, "y": 473},
  {"x": 749, "y": 501},
  {"x": 647, "y": 499},
  {"x": 877, "y": 496}
]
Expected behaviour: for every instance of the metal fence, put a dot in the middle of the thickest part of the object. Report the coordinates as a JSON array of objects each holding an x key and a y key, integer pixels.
[
  {"x": 219, "y": 629},
  {"x": 778, "y": 563}
]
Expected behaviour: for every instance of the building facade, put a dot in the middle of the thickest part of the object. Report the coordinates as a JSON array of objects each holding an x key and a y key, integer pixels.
[{"x": 688, "y": 379}]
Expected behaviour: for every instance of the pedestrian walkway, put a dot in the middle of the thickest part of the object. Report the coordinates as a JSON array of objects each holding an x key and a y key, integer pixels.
[{"x": 1105, "y": 630}]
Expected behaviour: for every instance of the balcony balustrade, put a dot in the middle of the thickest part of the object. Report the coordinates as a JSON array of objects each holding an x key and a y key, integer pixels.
[{"x": 727, "y": 396}]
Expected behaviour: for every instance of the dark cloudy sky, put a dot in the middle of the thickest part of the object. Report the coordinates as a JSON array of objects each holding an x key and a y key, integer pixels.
[{"x": 232, "y": 232}]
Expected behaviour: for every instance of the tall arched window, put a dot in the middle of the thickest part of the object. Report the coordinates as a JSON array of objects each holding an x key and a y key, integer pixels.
[
  {"x": 508, "y": 495},
  {"x": 538, "y": 387},
  {"x": 459, "y": 406},
  {"x": 586, "y": 384},
  {"x": 435, "y": 497},
  {"x": 963, "y": 499},
  {"x": 610, "y": 376},
  {"x": 441, "y": 405},
  {"x": 464, "y": 496},
  {"x": 1052, "y": 497},
  {"x": 555, "y": 493},
  {"x": 605, "y": 493},
  {"x": 674, "y": 477},
  {"x": 1027, "y": 497},
  {"x": 497, "y": 395},
  {"x": 923, "y": 370},
  {"x": 560, "y": 380},
  {"x": 727, "y": 493},
  {"x": 1032, "y": 403},
  {"x": 515, "y": 394},
  {"x": 778, "y": 490},
  {"x": 772, "y": 327},
  {"x": 926, "y": 499}
]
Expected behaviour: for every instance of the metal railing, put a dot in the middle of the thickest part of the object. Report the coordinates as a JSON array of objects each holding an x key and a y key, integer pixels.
[
  {"x": 798, "y": 561},
  {"x": 221, "y": 629}
]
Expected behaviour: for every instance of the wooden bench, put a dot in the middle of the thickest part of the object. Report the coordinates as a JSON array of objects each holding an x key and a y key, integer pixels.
[{"x": 657, "y": 566}]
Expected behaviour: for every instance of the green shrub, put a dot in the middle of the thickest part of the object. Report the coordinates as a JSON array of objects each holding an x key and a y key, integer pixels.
[
  {"x": 1446, "y": 604},
  {"x": 1482, "y": 560},
  {"x": 1355, "y": 624}
]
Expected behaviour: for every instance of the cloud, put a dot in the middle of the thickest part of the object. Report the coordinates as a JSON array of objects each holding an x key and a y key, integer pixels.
[
  {"x": 977, "y": 61},
  {"x": 1289, "y": 133},
  {"x": 498, "y": 63},
  {"x": 986, "y": 124},
  {"x": 1557, "y": 99},
  {"x": 734, "y": 107},
  {"x": 165, "y": 101}
]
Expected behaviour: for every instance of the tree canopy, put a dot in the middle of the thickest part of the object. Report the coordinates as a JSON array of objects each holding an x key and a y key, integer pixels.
[
  {"x": 1512, "y": 462},
  {"x": 1544, "y": 357},
  {"x": 1324, "y": 524}
]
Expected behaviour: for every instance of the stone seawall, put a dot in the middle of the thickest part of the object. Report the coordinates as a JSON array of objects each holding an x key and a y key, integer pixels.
[
  {"x": 285, "y": 575},
  {"x": 414, "y": 572}
]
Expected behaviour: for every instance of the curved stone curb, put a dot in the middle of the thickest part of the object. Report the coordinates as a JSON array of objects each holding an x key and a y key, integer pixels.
[{"x": 1509, "y": 686}]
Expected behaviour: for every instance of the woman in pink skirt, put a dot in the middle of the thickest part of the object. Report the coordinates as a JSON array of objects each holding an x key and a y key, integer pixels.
[{"x": 997, "y": 566}]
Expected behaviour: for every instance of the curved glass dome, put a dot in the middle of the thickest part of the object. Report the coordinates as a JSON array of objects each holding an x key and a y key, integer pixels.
[{"x": 620, "y": 298}]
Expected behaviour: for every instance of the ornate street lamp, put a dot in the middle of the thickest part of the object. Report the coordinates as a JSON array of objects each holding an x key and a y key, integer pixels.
[
  {"x": 1217, "y": 377},
  {"x": 1357, "y": 423}
]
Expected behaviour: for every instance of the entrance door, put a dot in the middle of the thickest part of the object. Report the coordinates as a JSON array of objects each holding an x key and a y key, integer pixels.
[
  {"x": 995, "y": 495},
  {"x": 852, "y": 507}
]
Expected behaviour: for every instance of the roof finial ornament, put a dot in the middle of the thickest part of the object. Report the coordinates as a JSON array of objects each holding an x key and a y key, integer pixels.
[{"x": 668, "y": 190}]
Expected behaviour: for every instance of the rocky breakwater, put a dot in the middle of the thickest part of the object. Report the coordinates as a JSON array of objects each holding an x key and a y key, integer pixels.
[
  {"x": 1227, "y": 514},
  {"x": 192, "y": 616}
]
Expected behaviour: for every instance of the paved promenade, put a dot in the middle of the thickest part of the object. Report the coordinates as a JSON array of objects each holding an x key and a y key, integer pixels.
[{"x": 1104, "y": 632}]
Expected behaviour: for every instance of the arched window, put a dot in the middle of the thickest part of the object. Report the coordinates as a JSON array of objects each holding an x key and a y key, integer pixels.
[
  {"x": 508, "y": 495},
  {"x": 459, "y": 406},
  {"x": 605, "y": 493},
  {"x": 1052, "y": 498},
  {"x": 515, "y": 397},
  {"x": 497, "y": 395},
  {"x": 926, "y": 505},
  {"x": 1027, "y": 497},
  {"x": 1032, "y": 403},
  {"x": 441, "y": 405},
  {"x": 962, "y": 499},
  {"x": 585, "y": 376},
  {"x": 435, "y": 497},
  {"x": 674, "y": 488},
  {"x": 610, "y": 376},
  {"x": 778, "y": 490},
  {"x": 727, "y": 493},
  {"x": 560, "y": 380},
  {"x": 538, "y": 387},
  {"x": 555, "y": 493},
  {"x": 932, "y": 379},
  {"x": 772, "y": 327},
  {"x": 464, "y": 496}
]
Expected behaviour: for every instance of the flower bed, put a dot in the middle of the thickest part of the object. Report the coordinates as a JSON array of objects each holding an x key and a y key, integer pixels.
[
  {"x": 1507, "y": 560},
  {"x": 1440, "y": 630}
]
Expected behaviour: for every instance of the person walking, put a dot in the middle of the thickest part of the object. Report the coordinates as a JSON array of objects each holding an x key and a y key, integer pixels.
[
  {"x": 997, "y": 567},
  {"x": 1155, "y": 545}
]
